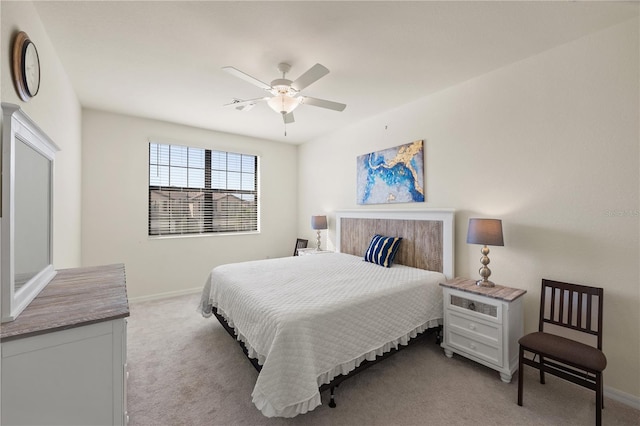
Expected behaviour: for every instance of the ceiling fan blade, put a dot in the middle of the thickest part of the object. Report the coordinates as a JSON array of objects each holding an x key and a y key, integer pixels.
[
  {"x": 312, "y": 75},
  {"x": 336, "y": 106},
  {"x": 288, "y": 118},
  {"x": 246, "y": 77},
  {"x": 245, "y": 105}
]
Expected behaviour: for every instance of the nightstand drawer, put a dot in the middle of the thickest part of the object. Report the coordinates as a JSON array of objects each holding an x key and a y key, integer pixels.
[
  {"x": 481, "y": 350},
  {"x": 469, "y": 325},
  {"x": 473, "y": 306}
]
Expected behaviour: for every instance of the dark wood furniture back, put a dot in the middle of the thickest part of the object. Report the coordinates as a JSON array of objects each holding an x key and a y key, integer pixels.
[
  {"x": 300, "y": 243},
  {"x": 422, "y": 240},
  {"x": 572, "y": 306}
]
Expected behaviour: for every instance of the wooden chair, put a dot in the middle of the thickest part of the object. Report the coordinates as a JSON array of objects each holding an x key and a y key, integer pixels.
[
  {"x": 577, "y": 310},
  {"x": 300, "y": 243}
]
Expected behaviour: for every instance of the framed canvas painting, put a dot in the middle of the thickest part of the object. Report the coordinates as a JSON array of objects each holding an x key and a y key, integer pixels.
[{"x": 393, "y": 175}]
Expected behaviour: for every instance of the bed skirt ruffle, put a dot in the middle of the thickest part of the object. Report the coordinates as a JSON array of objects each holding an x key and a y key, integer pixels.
[{"x": 262, "y": 402}]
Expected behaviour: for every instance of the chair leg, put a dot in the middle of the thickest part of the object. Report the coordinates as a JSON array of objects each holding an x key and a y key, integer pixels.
[
  {"x": 599, "y": 399},
  {"x": 520, "y": 375},
  {"x": 541, "y": 369},
  {"x": 602, "y": 389}
]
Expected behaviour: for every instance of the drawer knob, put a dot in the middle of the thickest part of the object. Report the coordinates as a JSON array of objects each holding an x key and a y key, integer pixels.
[
  {"x": 472, "y": 306},
  {"x": 472, "y": 346},
  {"x": 472, "y": 326}
]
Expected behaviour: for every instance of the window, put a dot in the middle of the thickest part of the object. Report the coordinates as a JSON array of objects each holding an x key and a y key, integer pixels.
[{"x": 201, "y": 191}]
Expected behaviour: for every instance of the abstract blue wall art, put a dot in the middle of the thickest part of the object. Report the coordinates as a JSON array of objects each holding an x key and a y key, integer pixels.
[{"x": 394, "y": 175}]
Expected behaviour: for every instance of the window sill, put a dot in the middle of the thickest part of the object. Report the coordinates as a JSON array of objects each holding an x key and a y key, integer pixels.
[{"x": 212, "y": 234}]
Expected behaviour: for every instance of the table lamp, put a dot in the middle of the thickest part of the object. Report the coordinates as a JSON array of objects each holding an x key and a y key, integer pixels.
[
  {"x": 489, "y": 233},
  {"x": 318, "y": 223}
]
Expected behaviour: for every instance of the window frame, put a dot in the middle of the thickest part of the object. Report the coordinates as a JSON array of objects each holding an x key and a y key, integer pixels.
[{"x": 209, "y": 192}]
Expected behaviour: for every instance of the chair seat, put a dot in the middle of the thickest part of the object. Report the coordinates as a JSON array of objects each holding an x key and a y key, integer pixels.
[{"x": 565, "y": 350}]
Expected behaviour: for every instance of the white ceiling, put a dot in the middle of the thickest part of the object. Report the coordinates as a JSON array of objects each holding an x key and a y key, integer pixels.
[{"x": 163, "y": 59}]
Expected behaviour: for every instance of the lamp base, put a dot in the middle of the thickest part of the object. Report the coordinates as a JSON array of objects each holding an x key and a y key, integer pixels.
[
  {"x": 485, "y": 272},
  {"x": 487, "y": 283}
]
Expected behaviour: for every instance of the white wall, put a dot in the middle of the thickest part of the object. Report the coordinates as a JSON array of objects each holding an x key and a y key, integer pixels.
[
  {"x": 551, "y": 146},
  {"x": 115, "y": 188},
  {"x": 57, "y": 111}
]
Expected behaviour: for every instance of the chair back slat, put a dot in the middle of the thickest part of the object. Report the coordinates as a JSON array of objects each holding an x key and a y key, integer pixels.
[
  {"x": 589, "y": 307},
  {"x": 561, "y": 307},
  {"x": 579, "y": 325},
  {"x": 570, "y": 314},
  {"x": 572, "y": 306}
]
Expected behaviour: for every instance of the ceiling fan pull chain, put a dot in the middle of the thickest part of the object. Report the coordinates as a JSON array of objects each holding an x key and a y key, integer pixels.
[{"x": 284, "y": 121}]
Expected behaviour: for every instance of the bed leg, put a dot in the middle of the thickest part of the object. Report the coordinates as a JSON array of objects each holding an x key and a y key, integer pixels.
[
  {"x": 439, "y": 335},
  {"x": 332, "y": 401}
]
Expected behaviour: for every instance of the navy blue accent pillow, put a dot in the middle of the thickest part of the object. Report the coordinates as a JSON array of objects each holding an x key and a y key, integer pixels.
[{"x": 382, "y": 250}]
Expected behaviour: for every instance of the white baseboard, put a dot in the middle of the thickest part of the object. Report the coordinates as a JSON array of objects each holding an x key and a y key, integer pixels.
[
  {"x": 623, "y": 397},
  {"x": 165, "y": 295}
]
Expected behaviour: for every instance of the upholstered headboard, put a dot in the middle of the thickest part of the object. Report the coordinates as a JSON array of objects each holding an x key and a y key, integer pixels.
[{"x": 427, "y": 235}]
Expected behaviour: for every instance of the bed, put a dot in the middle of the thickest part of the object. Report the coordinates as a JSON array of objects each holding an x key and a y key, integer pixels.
[{"x": 309, "y": 322}]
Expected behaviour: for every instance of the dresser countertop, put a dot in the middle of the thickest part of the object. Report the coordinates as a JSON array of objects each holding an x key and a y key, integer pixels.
[{"x": 74, "y": 297}]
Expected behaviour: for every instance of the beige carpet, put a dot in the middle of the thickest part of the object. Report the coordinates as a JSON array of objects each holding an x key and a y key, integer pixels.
[{"x": 186, "y": 370}]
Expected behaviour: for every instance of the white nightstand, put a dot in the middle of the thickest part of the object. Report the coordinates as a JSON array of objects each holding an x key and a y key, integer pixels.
[
  {"x": 483, "y": 324},
  {"x": 305, "y": 251}
]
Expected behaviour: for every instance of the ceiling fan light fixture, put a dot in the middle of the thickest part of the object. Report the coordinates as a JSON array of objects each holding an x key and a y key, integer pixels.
[{"x": 283, "y": 104}]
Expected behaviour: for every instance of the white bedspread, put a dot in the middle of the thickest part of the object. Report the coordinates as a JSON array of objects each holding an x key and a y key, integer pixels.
[{"x": 308, "y": 319}]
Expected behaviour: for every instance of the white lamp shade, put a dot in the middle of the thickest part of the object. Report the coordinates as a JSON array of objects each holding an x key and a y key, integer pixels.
[{"x": 283, "y": 104}]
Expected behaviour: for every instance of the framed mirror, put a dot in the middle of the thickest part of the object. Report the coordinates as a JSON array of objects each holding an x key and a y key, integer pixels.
[{"x": 27, "y": 205}]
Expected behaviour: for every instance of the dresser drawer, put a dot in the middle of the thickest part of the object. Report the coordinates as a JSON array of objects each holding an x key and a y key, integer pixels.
[
  {"x": 489, "y": 353},
  {"x": 491, "y": 333}
]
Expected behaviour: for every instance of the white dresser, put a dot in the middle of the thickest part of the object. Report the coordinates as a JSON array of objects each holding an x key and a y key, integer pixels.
[
  {"x": 64, "y": 357},
  {"x": 483, "y": 324}
]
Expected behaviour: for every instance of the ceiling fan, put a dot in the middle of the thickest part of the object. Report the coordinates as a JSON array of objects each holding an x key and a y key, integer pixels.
[{"x": 285, "y": 93}]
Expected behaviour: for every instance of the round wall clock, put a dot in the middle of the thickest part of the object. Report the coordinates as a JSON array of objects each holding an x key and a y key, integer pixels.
[{"x": 26, "y": 67}]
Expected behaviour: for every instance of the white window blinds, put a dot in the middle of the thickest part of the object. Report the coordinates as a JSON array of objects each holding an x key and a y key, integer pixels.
[{"x": 199, "y": 191}]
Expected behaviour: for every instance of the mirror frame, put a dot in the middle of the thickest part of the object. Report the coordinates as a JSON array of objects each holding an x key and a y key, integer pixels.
[{"x": 17, "y": 125}]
